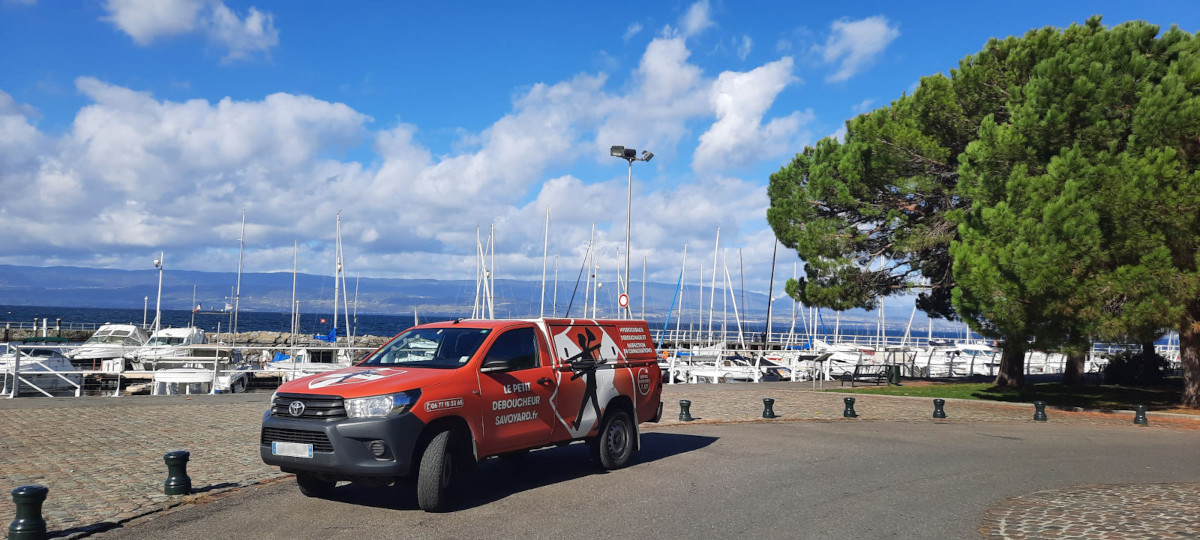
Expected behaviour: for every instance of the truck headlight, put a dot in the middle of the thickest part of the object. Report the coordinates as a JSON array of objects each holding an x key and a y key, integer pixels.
[{"x": 376, "y": 406}]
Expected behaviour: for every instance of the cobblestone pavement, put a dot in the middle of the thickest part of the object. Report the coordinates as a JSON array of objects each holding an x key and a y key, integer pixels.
[
  {"x": 102, "y": 458},
  {"x": 1137, "y": 511}
]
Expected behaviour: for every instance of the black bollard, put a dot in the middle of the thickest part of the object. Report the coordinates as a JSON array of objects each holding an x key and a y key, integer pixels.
[
  {"x": 178, "y": 482},
  {"x": 685, "y": 413},
  {"x": 1139, "y": 415},
  {"x": 1040, "y": 411},
  {"x": 29, "y": 524},
  {"x": 938, "y": 408},
  {"x": 768, "y": 408},
  {"x": 849, "y": 412}
]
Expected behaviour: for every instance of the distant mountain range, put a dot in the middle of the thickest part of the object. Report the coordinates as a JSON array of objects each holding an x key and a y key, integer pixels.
[{"x": 65, "y": 286}]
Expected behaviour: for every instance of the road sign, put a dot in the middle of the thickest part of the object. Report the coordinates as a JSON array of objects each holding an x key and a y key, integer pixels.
[{"x": 623, "y": 300}]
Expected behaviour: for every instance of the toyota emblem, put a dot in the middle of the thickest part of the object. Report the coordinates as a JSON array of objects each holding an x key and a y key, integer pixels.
[{"x": 296, "y": 408}]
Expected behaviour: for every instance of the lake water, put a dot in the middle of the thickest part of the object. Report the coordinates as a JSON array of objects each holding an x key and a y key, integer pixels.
[{"x": 363, "y": 324}]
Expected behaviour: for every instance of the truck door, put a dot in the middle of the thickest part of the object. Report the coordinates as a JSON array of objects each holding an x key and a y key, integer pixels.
[{"x": 516, "y": 408}]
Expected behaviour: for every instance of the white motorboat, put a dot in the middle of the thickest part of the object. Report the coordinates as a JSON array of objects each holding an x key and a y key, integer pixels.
[
  {"x": 304, "y": 362},
  {"x": 107, "y": 347},
  {"x": 38, "y": 370},
  {"x": 944, "y": 358},
  {"x": 203, "y": 369},
  {"x": 734, "y": 368},
  {"x": 166, "y": 343}
]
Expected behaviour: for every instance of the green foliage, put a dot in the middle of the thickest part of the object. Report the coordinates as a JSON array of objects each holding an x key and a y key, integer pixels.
[
  {"x": 1084, "y": 217},
  {"x": 876, "y": 214},
  {"x": 1047, "y": 188}
]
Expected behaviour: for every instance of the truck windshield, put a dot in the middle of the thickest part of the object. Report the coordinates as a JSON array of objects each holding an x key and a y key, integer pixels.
[{"x": 446, "y": 348}]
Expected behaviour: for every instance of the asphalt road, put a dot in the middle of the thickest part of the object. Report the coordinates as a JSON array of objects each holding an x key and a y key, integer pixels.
[{"x": 840, "y": 479}]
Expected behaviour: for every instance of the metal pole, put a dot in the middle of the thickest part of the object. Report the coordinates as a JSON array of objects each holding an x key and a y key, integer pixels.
[
  {"x": 158, "y": 302},
  {"x": 545, "y": 251},
  {"x": 292, "y": 329},
  {"x": 770, "y": 297},
  {"x": 237, "y": 294},
  {"x": 628, "y": 221}
]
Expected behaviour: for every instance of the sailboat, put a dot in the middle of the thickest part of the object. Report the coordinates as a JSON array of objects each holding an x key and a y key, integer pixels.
[{"x": 311, "y": 360}]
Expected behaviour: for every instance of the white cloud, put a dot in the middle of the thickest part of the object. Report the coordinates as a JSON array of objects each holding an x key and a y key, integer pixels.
[
  {"x": 740, "y": 100},
  {"x": 854, "y": 45},
  {"x": 839, "y": 133},
  {"x": 243, "y": 37},
  {"x": 696, "y": 19},
  {"x": 744, "y": 45},
  {"x": 633, "y": 30},
  {"x": 147, "y": 20},
  {"x": 137, "y": 173},
  {"x": 20, "y": 141},
  {"x": 862, "y": 106}
]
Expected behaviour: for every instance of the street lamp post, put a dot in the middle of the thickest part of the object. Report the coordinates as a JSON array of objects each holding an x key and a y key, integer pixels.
[
  {"x": 158, "y": 263},
  {"x": 630, "y": 155}
]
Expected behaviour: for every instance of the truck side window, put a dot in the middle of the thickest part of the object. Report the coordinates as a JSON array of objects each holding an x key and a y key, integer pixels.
[{"x": 518, "y": 346}]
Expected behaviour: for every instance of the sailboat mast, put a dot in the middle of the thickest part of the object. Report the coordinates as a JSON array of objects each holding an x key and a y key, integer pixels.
[
  {"x": 587, "y": 263},
  {"x": 771, "y": 296},
  {"x": 682, "y": 271},
  {"x": 295, "y": 259},
  {"x": 354, "y": 327},
  {"x": 237, "y": 294},
  {"x": 545, "y": 252},
  {"x": 492, "y": 273},
  {"x": 478, "y": 272},
  {"x": 337, "y": 267},
  {"x": 345, "y": 291},
  {"x": 712, "y": 296}
]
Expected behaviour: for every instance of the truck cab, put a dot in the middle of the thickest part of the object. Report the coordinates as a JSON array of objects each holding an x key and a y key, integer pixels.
[{"x": 439, "y": 397}]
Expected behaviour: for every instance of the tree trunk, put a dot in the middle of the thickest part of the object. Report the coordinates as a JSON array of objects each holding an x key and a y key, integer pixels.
[
  {"x": 1012, "y": 363},
  {"x": 1148, "y": 351},
  {"x": 1073, "y": 374},
  {"x": 1189, "y": 356},
  {"x": 1077, "y": 352}
]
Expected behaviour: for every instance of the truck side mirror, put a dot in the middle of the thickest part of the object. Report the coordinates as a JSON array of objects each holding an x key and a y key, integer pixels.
[{"x": 496, "y": 364}]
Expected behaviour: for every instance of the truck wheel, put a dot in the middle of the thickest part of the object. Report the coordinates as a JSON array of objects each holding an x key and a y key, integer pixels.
[
  {"x": 311, "y": 486},
  {"x": 614, "y": 446},
  {"x": 441, "y": 467}
]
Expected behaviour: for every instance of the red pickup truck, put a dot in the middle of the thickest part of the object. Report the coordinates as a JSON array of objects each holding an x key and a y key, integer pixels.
[{"x": 439, "y": 397}]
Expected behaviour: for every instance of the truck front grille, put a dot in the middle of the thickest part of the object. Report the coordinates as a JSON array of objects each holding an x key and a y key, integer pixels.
[
  {"x": 316, "y": 407},
  {"x": 316, "y": 438}
]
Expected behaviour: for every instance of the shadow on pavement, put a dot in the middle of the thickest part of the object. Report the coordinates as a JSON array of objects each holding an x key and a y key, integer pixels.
[{"x": 495, "y": 479}]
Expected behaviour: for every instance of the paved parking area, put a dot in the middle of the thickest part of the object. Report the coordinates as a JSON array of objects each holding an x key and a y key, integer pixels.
[{"x": 102, "y": 458}]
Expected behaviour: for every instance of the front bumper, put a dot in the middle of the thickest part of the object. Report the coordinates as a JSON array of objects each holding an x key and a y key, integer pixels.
[{"x": 341, "y": 448}]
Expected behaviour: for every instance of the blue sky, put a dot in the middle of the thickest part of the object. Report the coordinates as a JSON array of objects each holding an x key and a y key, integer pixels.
[{"x": 133, "y": 126}]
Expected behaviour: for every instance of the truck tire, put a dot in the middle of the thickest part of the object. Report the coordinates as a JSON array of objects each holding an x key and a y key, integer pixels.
[
  {"x": 311, "y": 486},
  {"x": 438, "y": 473},
  {"x": 614, "y": 445}
]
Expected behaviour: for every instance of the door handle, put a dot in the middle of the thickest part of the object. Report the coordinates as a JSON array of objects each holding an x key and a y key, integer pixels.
[{"x": 545, "y": 381}]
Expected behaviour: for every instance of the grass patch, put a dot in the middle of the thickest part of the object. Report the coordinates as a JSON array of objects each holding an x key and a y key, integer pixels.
[{"x": 1110, "y": 397}]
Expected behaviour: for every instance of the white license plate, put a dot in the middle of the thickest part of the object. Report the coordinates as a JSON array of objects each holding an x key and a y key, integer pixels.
[{"x": 291, "y": 449}]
